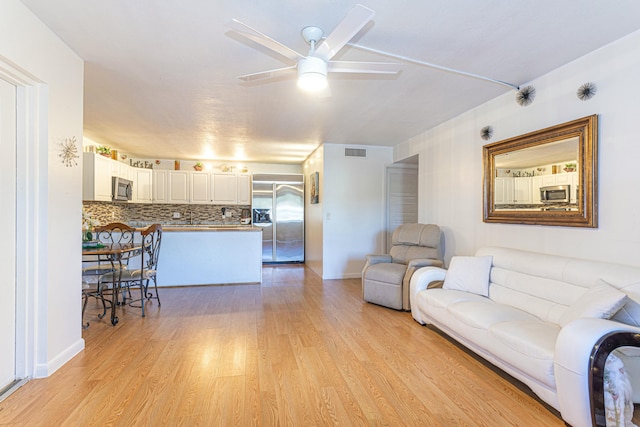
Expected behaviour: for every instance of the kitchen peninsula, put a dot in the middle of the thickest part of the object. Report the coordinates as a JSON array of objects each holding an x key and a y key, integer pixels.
[{"x": 210, "y": 255}]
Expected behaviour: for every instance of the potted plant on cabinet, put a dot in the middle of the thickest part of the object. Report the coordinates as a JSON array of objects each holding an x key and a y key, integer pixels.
[
  {"x": 198, "y": 166},
  {"x": 570, "y": 167},
  {"x": 103, "y": 150}
]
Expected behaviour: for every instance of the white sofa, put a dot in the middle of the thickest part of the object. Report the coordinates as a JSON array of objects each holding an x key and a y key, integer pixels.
[{"x": 537, "y": 317}]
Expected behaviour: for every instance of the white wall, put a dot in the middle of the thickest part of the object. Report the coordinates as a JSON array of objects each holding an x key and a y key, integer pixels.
[
  {"x": 351, "y": 211},
  {"x": 451, "y": 160},
  {"x": 49, "y": 193},
  {"x": 313, "y": 225}
]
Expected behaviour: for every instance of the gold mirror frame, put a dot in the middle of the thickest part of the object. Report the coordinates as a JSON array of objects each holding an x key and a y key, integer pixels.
[{"x": 585, "y": 211}]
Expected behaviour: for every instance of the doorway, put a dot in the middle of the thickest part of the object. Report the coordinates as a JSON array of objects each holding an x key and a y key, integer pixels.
[
  {"x": 8, "y": 108},
  {"x": 402, "y": 195}
]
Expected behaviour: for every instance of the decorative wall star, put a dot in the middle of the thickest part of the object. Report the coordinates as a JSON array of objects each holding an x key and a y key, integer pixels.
[
  {"x": 486, "y": 133},
  {"x": 586, "y": 91},
  {"x": 526, "y": 95},
  {"x": 69, "y": 152}
]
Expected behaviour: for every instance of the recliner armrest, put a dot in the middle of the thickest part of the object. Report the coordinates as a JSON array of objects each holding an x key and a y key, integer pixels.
[
  {"x": 573, "y": 350},
  {"x": 423, "y": 262},
  {"x": 378, "y": 258}
]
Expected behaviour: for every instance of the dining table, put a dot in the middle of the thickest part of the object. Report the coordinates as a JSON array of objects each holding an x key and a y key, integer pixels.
[{"x": 114, "y": 257}]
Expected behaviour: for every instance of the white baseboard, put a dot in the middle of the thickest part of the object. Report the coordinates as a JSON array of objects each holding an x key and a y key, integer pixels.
[{"x": 44, "y": 370}]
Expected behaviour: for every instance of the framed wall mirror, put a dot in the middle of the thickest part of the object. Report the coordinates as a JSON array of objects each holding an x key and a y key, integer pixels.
[{"x": 546, "y": 177}]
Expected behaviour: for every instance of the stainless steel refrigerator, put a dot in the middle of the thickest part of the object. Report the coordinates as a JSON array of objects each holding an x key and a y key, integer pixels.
[{"x": 278, "y": 207}]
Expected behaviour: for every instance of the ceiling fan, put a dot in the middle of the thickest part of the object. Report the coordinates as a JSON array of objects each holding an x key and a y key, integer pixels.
[{"x": 313, "y": 67}]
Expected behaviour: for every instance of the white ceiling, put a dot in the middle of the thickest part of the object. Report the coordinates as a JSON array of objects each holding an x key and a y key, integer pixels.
[{"x": 160, "y": 77}]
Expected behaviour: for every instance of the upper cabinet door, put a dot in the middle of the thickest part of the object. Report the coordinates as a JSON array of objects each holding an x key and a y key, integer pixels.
[
  {"x": 142, "y": 185},
  {"x": 244, "y": 189},
  {"x": 200, "y": 188},
  {"x": 178, "y": 185},
  {"x": 96, "y": 177},
  {"x": 160, "y": 186},
  {"x": 225, "y": 188}
]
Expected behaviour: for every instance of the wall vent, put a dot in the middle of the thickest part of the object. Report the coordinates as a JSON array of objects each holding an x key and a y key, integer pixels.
[{"x": 355, "y": 152}]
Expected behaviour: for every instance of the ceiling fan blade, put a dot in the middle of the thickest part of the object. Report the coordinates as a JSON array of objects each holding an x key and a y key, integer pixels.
[
  {"x": 355, "y": 20},
  {"x": 262, "y": 75},
  {"x": 363, "y": 67},
  {"x": 264, "y": 40}
]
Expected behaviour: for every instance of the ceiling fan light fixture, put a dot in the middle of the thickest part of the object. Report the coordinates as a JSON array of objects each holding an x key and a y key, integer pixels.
[{"x": 312, "y": 74}]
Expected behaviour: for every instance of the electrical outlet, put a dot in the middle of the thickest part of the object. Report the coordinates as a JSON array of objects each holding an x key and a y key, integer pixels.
[{"x": 176, "y": 215}]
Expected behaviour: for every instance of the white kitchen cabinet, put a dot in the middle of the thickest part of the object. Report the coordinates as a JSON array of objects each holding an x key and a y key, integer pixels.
[
  {"x": 142, "y": 185},
  {"x": 574, "y": 182},
  {"x": 570, "y": 178},
  {"x": 225, "y": 188},
  {"x": 536, "y": 183},
  {"x": 566, "y": 178},
  {"x": 122, "y": 170},
  {"x": 178, "y": 187},
  {"x": 548, "y": 180},
  {"x": 503, "y": 191},
  {"x": 160, "y": 186},
  {"x": 200, "y": 188},
  {"x": 244, "y": 189},
  {"x": 96, "y": 177},
  {"x": 522, "y": 190}
]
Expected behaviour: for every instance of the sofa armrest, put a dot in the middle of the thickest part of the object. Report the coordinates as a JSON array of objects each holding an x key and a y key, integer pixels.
[
  {"x": 573, "y": 360},
  {"x": 412, "y": 266},
  {"x": 419, "y": 282}
]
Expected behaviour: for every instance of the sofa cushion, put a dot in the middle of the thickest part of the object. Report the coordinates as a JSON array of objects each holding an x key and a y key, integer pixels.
[
  {"x": 469, "y": 273},
  {"x": 529, "y": 346},
  {"x": 532, "y": 338},
  {"x": 601, "y": 301},
  {"x": 483, "y": 314}
]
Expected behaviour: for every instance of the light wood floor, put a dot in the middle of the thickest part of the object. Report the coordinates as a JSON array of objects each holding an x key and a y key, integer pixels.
[{"x": 295, "y": 351}]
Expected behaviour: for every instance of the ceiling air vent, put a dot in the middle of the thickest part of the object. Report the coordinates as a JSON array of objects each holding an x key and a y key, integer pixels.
[{"x": 355, "y": 152}]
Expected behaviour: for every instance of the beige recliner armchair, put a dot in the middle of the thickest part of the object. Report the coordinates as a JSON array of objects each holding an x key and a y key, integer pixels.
[{"x": 385, "y": 278}]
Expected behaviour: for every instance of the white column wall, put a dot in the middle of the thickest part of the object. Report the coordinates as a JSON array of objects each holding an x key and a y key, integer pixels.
[
  {"x": 353, "y": 208},
  {"x": 49, "y": 193},
  {"x": 313, "y": 217},
  {"x": 451, "y": 160}
]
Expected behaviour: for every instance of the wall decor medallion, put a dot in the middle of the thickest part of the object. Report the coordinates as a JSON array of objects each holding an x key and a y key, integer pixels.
[
  {"x": 525, "y": 95},
  {"x": 587, "y": 91},
  {"x": 486, "y": 133},
  {"x": 69, "y": 152}
]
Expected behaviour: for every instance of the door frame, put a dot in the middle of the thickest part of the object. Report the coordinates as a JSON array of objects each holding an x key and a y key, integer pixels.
[
  {"x": 31, "y": 168},
  {"x": 8, "y": 252}
]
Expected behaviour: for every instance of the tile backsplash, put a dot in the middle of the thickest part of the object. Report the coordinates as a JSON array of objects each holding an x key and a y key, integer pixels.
[{"x": 140, "y": 214}]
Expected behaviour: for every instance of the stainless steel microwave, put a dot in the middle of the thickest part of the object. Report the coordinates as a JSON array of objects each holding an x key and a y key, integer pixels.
[
  {"x": 555, "y": 194},
  {"x": 121, "y": 189}
]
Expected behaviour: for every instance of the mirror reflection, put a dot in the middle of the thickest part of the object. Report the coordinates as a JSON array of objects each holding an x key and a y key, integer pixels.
[
  {"x": 541, "y": 177},
  {"x": 545, "y": 177}
]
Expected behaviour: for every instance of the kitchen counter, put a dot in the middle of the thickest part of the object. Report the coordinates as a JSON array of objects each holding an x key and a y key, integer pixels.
[
  {"x": 210, "y": 227},
  {"x": 538, "y": 207},
  {"x": 210, "y": 255}
]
